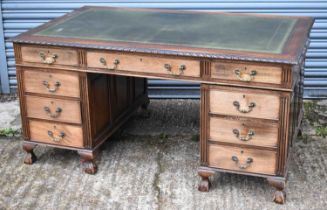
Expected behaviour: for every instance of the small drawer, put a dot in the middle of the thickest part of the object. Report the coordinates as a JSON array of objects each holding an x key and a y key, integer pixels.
[
  {"x": 242, "y": 159},
  {"x": 243, "y": 131},
  {"x": 144, "y": 64},
  {"x": 244, "y": 102},
  {"x": 49, "y": 56},
  {"x": 53, "y": 109},
  {"x": 63, "y": 84},
  {"x": 56, "y": 133},
  {"x": 246, "y": 73}
]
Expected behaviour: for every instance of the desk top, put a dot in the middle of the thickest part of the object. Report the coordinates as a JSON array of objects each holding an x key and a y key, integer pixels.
[{"x": 213, "y": 35}]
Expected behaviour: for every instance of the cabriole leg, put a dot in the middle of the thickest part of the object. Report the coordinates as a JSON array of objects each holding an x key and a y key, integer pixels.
[
  {"x": 204, "y": 184},
  {"x": 30, "y": 157},
  {"x": 144, "y": 111},
  {"x": 145, "y": 104},
  {"x": 279, "y": 183},
  {"x": 88, "y": 161}
]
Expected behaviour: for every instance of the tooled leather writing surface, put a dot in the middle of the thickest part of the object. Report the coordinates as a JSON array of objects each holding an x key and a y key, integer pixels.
[{"x": 215, "y": 31}]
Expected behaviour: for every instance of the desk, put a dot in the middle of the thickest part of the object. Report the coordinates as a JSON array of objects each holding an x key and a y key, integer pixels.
[{"x": 81, "y": 76}]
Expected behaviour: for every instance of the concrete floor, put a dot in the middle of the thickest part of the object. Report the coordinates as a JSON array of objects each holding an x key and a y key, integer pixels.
[{"x": 152, "y": 164}]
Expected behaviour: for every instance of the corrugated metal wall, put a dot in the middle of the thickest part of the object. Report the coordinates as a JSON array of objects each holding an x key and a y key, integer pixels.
[{"x": 21, "y": 15}]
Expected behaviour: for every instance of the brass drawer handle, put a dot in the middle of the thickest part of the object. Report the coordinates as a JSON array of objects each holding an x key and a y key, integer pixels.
[
  {"x": 247, "y": 164},
  {"x": 244, "y": 138},
  {"x": 51, "y": 90},
  {"x": 241, "y": 109},
  {"x": 181, "y": 69},
  {"x": 56, "y": 138},
  {"x": 104, "y": 62},
  {"x": 48, "y": 58},
  {"x": 244, "y": 76},
  {"x": 53, "y": 115}
]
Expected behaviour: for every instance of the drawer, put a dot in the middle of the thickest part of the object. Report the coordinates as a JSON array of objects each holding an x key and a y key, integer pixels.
[
  {"x": 246, "y": 73},
  {"x": 144, "y": 64},
  {"x": 49, "y": 56},
  {"x": 63, "y": 84},
  {"x": 242, "y": 159},
  {"x": 56, "y": 133},
  {"x": 53, "y": 109},
  {"x": 243, "y": 131},
  {"x": 244, "y": 102}
]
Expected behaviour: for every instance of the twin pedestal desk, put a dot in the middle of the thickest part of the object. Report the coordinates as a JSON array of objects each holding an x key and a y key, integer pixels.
[{"x": 81, "y": 76}]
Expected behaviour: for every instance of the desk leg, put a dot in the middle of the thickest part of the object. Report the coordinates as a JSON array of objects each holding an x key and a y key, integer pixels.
[
  {"x": 279, "y": 183},
  {"x": 30, "y": 157},
  {"x": 204, "y": 184},
  {"x": 88, "y": 161},
  {"x": 146, "y": 104}
]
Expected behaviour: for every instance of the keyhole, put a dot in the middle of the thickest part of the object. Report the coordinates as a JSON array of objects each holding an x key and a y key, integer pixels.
[
  {"x": 243, "y": 96},
  {"x": 242, "y": 151}
]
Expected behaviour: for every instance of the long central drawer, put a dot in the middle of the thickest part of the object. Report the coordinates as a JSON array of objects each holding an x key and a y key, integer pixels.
[{"x": 144, "y": 64}]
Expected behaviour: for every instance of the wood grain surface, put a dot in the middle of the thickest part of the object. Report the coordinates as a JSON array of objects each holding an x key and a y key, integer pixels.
[
  {"x": 70, "y": 109},
  {"x": 264, "y": 161}
]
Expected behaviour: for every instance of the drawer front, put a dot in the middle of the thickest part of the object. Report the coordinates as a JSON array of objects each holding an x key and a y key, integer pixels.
[
  {"x": 238, "y": 102},
  {"x": 242, "y": 159},
  {"x": 49, "y": 56},
  {"x": 144, "y": 64},
  {"x": 246, "y": 73},
  {"x": 56, "y": 133},
  {"x": 63, "y": 84},
  {"x": 53, "y": 109},
  {"x": 240, "y": 131}
]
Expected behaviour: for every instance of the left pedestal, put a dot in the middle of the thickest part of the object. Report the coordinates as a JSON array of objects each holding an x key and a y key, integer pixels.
[{"x": 74, "y": 110}]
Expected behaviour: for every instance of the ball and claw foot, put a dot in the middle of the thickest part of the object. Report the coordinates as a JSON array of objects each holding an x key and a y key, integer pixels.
[
  {"x": 279, "y": 197},
  {"x": 145, "y": 105},
  {"x": 30, "y": 157},
  {"x": 204, "y": 184},
  {"x": 89, "y": 167},
  {"x": 87, "y": 162},
  {"x": 300, "y": 133},
  {"x": 144, "y": 111},
  {"x": 279, "y": 183}
]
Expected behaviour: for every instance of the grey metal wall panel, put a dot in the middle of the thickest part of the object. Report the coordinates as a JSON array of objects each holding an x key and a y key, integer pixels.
[
  {"x": 4, "y": 78},
  {"x": 21, "y": 15}
]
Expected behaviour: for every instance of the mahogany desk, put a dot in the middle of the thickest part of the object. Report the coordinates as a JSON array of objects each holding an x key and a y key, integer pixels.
[{"x": 82, "y": 75}]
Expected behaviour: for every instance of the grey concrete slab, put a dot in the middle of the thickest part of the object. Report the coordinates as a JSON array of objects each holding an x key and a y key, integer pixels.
[
  {"x": 149, "y": 170},
  {"x": 10, "y": 115}
]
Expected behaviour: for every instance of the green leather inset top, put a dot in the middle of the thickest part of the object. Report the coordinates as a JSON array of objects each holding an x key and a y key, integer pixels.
[{"x": 216, "y": 31}]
